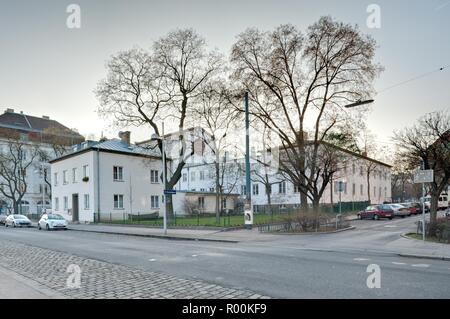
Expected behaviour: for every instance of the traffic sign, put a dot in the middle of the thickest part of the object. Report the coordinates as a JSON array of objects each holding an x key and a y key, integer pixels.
[
  {"x": 423, "y": 176},
  {"x": 170, "y": 191}
]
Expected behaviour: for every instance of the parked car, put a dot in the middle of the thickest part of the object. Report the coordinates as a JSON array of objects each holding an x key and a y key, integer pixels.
[
  {"x": 400, "y": 210},
  {"x": 52, "y": 221},
  {"x": 3, "y": 219},
  {"x": 16, "y": 220},
  {"x": 414, "y": 208},
  {"x": 376, "y": 212}
]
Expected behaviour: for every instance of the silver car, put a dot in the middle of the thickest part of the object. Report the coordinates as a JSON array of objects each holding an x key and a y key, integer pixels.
[
  {"x": 52, "y": 221},
  {"x": 16, "y": 220},
  {"x": 400, "y": 210}
]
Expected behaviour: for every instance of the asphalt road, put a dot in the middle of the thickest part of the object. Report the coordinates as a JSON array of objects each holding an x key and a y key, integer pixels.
[{"x": 311, "y": 266}]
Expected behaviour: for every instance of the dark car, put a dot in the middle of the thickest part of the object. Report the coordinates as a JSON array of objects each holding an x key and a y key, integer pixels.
[
  {"x": 376, "y": 212},
  {"x": 414, "y": 208},
  {"x": 3, "y": 219}
]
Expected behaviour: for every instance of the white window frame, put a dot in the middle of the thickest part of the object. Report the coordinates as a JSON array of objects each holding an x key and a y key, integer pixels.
[
  {"x": 154, "y": 202},
  {"x": 65, "y": 182},
  {"x": 74, "y": 175},
  {"x": 86, "y": 201},
  {"x": 65, "y": 203},
  {"x": 154, "y": 176},
  {"x": 118, "y": 173},
  {"x": 119, "y": 201}
]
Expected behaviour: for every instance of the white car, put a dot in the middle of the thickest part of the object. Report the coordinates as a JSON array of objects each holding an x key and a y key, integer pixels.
[
  {"x": 400, "y": 210},
  {"x": 16, "y": 220},
  {"x": 52, "y": 221}
]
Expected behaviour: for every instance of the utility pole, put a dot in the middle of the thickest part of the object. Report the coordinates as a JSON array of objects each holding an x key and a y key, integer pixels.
[{"x": 423, "y": 202}]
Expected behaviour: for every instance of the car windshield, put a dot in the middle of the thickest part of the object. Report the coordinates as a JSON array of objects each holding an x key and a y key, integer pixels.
[{"x": 55, "y": 217}]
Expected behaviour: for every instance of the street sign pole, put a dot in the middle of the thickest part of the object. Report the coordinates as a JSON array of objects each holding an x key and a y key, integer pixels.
[
  {"x": 423, "y": 205},
  {"x": 248, "y": 213}
]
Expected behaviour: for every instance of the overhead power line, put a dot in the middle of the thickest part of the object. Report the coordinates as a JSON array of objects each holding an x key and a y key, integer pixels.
[{"x": 414, "y": 78}]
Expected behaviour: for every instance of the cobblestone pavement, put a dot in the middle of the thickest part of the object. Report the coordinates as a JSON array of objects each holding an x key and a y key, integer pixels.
[{"x": 105, "y": 280}]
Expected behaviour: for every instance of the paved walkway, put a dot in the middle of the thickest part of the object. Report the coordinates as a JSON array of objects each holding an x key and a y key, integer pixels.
[
  {"x": 15, "y": 286},
  {"x": 99, "y": 279}
]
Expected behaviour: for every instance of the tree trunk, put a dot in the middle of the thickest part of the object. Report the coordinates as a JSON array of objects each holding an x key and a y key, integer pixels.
[
  {"x": 217, "y": 168},
  {"x": 169, "y": 208},
  {"x": 16, "y": 207},
  {"x": 368, "y": 187}
]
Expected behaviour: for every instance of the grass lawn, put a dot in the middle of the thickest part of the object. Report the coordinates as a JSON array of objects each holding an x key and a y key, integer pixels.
[
  {"x": 419, "y": 236},
  {"x": 231, "y": 221}
]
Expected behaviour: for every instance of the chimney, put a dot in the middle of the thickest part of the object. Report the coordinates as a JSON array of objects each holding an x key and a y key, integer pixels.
[
  {"x": 9, "y": 111},
  {"x": 125, "y": 137},
  {"x": 45, "y": 117}
]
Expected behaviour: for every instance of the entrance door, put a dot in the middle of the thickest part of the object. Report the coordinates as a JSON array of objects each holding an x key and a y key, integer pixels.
[{"x": 75, "y": 207}]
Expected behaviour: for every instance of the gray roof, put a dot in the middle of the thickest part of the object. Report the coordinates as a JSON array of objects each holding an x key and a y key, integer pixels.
[{"x": 113, "y": 146}]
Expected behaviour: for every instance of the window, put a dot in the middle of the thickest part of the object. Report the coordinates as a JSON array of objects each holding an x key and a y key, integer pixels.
[
  {"x": 154, "y": 201},
  {"x": 224, "y": 203},
  {"x": 374, "y": 191},
  {"x": 56, "y": 203},
  {"x": 345, "y": 188},
  {"x": 361, "y": 170},
  {"x": 201, "y": 202},
  {"x": 184, "y": 177},
  {"x": 118, "y": 201},
  {"x": 379, "y": 192},
  {"x": 202, "y": 175},
  {"x": 243, "y": 190},
  {"x": 74, "y": 175},
  {"x": 353, "y": 169},
  {"x": 192, "y": 176},
  {"x": 211, "y": 189},
  {"x": 282, "y": 188},
  {"x": 361, "y": 189},
  {"x": 296, "y": 189},
  {"x": 55, "y": 179},
  {"x": 86, "y": 201},
  {"x": 353, "y": 189},
  {"x": 118, "y": 173},
  {"x": 85, "y": 171},
  {"x": 202, "y": 189},
  {"x": 255, "y": 188},
  {"x": 154, "y": 176},
  {"x": 64, "y": 177},
  {"x": 66, "y": 203}
]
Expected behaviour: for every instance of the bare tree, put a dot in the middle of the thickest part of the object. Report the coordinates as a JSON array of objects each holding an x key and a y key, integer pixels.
[
  {"x": 213, "y": 112},
  {"x": 293, "y": 80},
  {"x": 427, "y": 143},
  {"x": 15, "y": 159},
  {"x": 142, "y": 88}
]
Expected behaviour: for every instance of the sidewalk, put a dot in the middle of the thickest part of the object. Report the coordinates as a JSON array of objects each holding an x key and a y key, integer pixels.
[
  {"x": 230, "y": 236},
  {"x": 15, "y": 286}
]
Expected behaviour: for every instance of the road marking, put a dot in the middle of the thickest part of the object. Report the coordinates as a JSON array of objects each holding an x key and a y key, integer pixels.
[
  {"x": 360, "y": 259},
  {"x": 421, "y": 265},
  {"x": 397, "y": 263},
  {"x": 194, "y": 255},
  {"x": 391, "y": 226},
  {"x": 153, "y": 259}
]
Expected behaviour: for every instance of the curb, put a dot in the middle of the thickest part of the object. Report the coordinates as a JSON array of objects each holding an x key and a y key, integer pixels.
[
  {"x": 158, "y": 236},
  {"x": 425, "y": 257},
  {"x": 314, "y": 233}
]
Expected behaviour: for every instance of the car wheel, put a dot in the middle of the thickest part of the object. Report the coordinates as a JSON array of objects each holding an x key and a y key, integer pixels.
[
  {"x": 359, "y": 216},
  {"x": 376, "y": 217},
  {"x": 47, "y": 227},
  {"x": 14, "y": 225},
  {"x": 390, "y": 218},
  {"x": 39, "y": 226},
  {"x": 403, "y": 216}
]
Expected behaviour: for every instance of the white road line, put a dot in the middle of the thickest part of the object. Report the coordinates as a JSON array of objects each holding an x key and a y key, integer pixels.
[
  {"x": 421, "y": 265},
  {"x": 194, "y": 255},
  {"x": 397, "y": 263},
  {"x": 360, "y": 259},
  {"x": 153, "y": 259}
]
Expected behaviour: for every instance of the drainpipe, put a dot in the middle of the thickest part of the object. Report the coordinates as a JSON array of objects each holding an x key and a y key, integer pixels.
[{"x": 98, "y": 183}]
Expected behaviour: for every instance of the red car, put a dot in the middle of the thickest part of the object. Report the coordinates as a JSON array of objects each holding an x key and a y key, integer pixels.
[
  {"x": 376, "y": 212},
  {"x": 414, "y": 208}
]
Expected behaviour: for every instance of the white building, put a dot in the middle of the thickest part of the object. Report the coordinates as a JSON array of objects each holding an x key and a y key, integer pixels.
[
  {"x": 111, "y": 179},
  {"x": 33, "y": 133}
]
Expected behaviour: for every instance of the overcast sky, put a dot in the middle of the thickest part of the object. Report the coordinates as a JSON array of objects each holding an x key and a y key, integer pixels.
[{"x": 48, "y": 69}]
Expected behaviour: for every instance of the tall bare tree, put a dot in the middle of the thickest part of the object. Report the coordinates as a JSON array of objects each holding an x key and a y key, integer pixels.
[
  {"x": 213, "y": 112},
  {"x": 15, "y": 159},
  {"x": 427, "y": 144},
  {"x": 294, "y": 80},
  {"x": 142, "y": 88}
]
